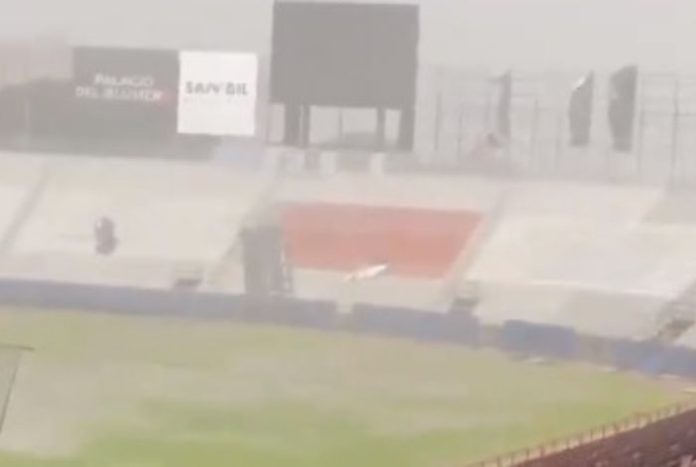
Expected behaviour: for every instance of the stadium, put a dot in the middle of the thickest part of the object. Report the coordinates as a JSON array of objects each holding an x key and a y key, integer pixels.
[{"x": 278, "y": 234}]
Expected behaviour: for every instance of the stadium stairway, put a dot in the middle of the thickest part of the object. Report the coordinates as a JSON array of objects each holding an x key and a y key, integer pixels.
[
  {"x": 22, "y": 181},
  {"x": 24, "y": 210},
  {"x": 678, "y": 317}
]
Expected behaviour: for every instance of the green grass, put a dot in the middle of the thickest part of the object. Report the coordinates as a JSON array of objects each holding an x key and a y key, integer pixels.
[{"x": 166, "y": 393}]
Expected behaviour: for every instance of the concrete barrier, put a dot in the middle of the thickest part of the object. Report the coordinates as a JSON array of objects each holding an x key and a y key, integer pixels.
[
  {"x": 410, "y": 323},
  {"x": 524, "y": 338}
]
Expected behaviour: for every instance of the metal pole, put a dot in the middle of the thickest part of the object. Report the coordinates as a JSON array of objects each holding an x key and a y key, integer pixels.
[
  {"x": 269, "y": 122},
  {"x": 306, "y": 122},
  {"x": 641, "y": 138},
  {"x": 675, "y": 132},
  {"x": 10, "y": 389},
  {"x": 534, "y": 129},
  {"x": 381, "y": 128},
  {"x": 460, "y": 131},
  {"x": 559, "y": 139},
  {"x": 340, "y": 124},
  {"x": 28, "y": 120},
  {"x": 487, "y": 109},
  {"x": 438, "y": 122},
  {"x": 641, "y": 127}
]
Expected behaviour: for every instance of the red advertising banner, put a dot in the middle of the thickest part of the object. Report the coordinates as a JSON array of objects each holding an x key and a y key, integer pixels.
[{"x": 423, "y": 243}]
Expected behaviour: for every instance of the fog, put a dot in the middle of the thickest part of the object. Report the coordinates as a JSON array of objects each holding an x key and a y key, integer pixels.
[
  {"x": 534, "y": 34},
  {"x": 343, "y": 247}
]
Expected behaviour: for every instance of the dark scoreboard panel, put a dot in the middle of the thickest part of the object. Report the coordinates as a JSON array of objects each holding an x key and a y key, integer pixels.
[{"x": 345, "y": 54}]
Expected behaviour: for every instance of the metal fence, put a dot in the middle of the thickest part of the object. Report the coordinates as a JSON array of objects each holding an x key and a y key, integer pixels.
[
  {"x": 455, "y": 110},
  {"x": 654, "y": 439}
]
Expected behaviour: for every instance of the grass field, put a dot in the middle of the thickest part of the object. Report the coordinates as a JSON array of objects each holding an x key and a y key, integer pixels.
[{"x": 112, "y": 391}]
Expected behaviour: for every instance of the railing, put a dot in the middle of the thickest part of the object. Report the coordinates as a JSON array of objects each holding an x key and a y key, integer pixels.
[{"x": 635, "y": 422}]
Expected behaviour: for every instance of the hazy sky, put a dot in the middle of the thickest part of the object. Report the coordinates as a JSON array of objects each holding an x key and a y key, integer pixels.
[{"x": 535, "y": 34}]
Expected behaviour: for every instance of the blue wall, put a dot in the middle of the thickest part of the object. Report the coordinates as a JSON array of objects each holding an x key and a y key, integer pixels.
[
  {"x": 543, "y": 340},
  {"x": 515, "y": 337}
]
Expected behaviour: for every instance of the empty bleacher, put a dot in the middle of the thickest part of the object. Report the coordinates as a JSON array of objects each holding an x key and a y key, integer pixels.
[
  {"x": 170, "y": 219},
  {"x": 583, "y": 257},
  {"x": 546, "y": 264}
]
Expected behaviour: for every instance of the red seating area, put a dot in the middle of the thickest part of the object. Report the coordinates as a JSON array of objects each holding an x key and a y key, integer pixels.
[
  {"x": 660, "y": 439},
  {"x": 420, "y": 243}
]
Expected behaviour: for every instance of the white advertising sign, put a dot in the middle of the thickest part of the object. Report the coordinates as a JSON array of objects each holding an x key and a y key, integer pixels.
[{"x": 217, "y": 93}]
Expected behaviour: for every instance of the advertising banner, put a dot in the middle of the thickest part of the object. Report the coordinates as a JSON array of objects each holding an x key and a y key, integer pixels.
[
  {"x": 123, "y": 75},
  {"x": 368, "y": 241},
  {"x": 217, "y": 93},
  {"x": 125, "y": 92}
]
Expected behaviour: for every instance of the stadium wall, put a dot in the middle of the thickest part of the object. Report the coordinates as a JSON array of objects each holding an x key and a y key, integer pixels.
[
  {"x": 518, "y": 338},
  {"x": 316, "y": 314}
]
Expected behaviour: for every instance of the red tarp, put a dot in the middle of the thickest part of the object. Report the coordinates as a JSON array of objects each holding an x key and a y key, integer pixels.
[{"x": 346, "y": 237}]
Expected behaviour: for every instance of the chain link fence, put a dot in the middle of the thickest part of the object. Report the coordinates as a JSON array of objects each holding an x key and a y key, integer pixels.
[{"x": 455, "y": 112}]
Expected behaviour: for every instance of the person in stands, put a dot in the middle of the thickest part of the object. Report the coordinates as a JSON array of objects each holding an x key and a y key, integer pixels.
[{"x": 105, "y": 236}]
